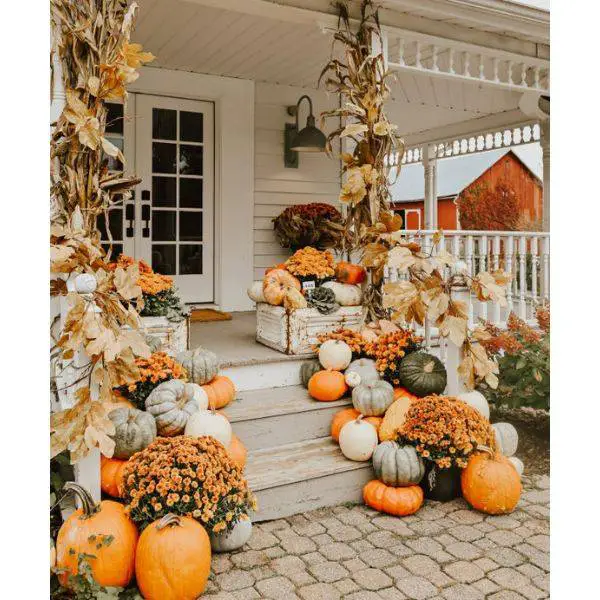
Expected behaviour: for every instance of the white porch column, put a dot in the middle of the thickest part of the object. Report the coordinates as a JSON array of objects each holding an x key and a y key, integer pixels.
[
  {"x": 430, "y": 169},
  {"x": 545, "y": 142}
]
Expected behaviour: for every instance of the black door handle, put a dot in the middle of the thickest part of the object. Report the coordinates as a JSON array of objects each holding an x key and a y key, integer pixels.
[
  {"x": 146, "y": 217},
  {"x": 129, "y": 216}
]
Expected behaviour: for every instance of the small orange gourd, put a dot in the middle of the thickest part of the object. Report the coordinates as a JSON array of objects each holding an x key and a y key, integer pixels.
[
  {"x": 102, "y": 530},
  {"x": 220, "y": 392},
  {"x": 276, "y": 283},
  {"x": 327, "y": 386},
  {"x": 237, "y": 451},
  {"x": 346, "y": 272},
  {"x": 490, "y": 482},
  {"x": 345, "y": 416},
  {"x": 111, "y": 476},
  {"x": 173, "y": 559},
  {"x": 398, "y": 501}
]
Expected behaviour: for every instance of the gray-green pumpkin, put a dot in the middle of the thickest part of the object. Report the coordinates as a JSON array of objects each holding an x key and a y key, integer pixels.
[
  {"x": 308, "y": 369},
  {"x": 507, "y": 438},
  {"x": 171, "y": 403},
  {"x": 365, "y": 368},
  {"x": 373, "y": 398},
  {"x": 134, "y": 431},
  {"x": 422, "y": 374},
  {"x": 201, "y": 365},
  {"x": 397, "y": 465}
]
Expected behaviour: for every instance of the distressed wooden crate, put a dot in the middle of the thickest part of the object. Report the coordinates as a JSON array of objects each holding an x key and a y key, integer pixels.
[
  {"x": 295, "y": 332},
  {"x": 175, "y": 337}
]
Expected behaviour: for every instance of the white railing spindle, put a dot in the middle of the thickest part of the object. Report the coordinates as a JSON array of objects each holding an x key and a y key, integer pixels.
[
  {"x": 469, "y": 261},
  {"x": 496, "y": 248},
  {"x": 534, "y": 271},
  {"x": 546, "y": 269},
  {"x": 522, "y": 276},
  {"x": 509, "y": 251},
  {"x": 483, "y": 250}
]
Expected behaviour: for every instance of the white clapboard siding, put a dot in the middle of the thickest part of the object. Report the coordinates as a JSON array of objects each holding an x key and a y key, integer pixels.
[{"x": 317, "y": 178}]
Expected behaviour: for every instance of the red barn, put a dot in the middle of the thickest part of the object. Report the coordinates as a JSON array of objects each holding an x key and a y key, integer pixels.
[{"x": 521, "y": 167}]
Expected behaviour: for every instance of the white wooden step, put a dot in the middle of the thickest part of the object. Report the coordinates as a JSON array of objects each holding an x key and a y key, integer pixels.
[
  {"x": 293, "y": 478},
  {"x": 265, "y": 374},
  {"x": 271, "y": 417}
]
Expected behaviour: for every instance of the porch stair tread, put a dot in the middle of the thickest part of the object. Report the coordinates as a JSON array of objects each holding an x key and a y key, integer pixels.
[
  {"x": 270, "y": 402},
  {"x": 301, "y": 461}
]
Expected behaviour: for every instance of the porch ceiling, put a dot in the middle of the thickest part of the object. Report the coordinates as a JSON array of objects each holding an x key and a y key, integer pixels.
[{"x": 290, "y": 48}]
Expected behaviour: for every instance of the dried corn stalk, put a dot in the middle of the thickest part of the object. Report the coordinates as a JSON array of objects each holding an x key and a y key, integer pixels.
[{"x": 92, "y": 41}]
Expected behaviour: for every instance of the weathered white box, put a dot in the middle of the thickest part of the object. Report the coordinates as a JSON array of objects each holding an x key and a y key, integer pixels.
[
  {"x": 295, "y": 332},
  {"x": 175, "y": 337}
]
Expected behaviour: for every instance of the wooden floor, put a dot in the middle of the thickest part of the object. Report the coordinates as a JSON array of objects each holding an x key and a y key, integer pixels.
[{"x": 234, "y": 341}]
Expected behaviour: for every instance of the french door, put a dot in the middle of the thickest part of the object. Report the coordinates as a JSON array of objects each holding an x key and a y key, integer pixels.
[{"x": 170, "y": 221}]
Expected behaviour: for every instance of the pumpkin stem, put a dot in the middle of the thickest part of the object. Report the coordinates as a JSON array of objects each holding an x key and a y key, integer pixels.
[
  {"x": 428, "y": 368},
  {"x": 168, "y": 520},
  {"x": 88, "y": 506},
  {"x": 484, "y": 448}
]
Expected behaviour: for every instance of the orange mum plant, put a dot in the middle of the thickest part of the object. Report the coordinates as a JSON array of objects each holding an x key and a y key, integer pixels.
[
  {"x": 310, "y": 262},
  {"x": 187, "y": 476},
  {"x": 446, "y": 430}
]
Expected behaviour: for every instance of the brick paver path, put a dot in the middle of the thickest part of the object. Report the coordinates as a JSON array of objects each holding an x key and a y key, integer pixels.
[{"x": 446, "y": 551}]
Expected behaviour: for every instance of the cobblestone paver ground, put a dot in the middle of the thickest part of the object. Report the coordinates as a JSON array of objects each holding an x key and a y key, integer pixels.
[{"x": 444, "y": 552}]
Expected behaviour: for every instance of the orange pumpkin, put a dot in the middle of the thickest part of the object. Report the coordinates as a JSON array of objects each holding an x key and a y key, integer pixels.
[
  {"x": 276, "y": 283},
  {"x": 345, "y": 416},
  {"x": 89, "y": 527},
  {"x": 400, "y": 392},
  {"x": 279, "y": 266},
  {"x": 490, "y": 483},
  {"x": 398, "y": 501},
  {"x": 173, "y": 559},
  {"x": 327, "y": 386},
  {"x": 111, "y": 476},
  {"x": 220, "y": 392},
  {"x": 350, "y": 273},
  {"x": 237, "y": 451}
]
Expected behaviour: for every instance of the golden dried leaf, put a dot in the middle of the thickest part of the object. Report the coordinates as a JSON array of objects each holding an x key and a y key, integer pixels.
[{"x": 454, "y": 328}]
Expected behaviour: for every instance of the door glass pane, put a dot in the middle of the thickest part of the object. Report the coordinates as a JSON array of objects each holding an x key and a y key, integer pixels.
[
  {"x": 164, "y": 191},
  {"x": 116, "y": 250},
  {"x": 190, "y": 226},
  {"x": 114, "y": 118},
  {"x": 190, "y": 192},
  {"x": 164, "y": 124},
  {"x": 163, "y": 258},
  {"x": 190, "y": 160},
  {"x": 190, "y": 259},
  {"x": 163, "y": 225},
  {"x": 115, "y": 222},
  {"x": 190, "y": 126},
  {"x": 163, "y": 157}
]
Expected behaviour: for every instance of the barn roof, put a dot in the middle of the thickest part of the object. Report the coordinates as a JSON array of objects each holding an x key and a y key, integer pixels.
[{"x": 456, "y": 173}]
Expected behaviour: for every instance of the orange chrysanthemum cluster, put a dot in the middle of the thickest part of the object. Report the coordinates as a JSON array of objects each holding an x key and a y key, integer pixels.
[
  {"x": 353, "y": 338},
  {"x": 519, "y": 326},
  {"x": 389, "y": 349},
  {"x": 542, "y": 315},
  {"x": 446, "y": 430},
  {"x": 187, "y": 476},
  {"x": 309, "y": 262},
  {"x": 151, "y": 283}
]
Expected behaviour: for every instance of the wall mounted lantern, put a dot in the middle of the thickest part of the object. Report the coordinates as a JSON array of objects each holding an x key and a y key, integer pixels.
[{"x": 309, "y": 139}]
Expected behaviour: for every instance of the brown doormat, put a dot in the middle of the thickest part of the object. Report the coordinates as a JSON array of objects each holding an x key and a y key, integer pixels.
[{"x": 205, "y": 315}]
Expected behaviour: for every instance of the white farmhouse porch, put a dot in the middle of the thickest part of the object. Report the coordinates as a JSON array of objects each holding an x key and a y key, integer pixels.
[{"x": 469, "y": 76}]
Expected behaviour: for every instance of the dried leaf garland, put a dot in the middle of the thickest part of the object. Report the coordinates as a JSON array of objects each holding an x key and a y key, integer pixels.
[{"x": 97, "y": 59}]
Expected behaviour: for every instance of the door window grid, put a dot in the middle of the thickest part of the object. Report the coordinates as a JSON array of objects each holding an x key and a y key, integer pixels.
[
  {"x": 176, "y": 256},
  {"x": 115, "y": 134}
]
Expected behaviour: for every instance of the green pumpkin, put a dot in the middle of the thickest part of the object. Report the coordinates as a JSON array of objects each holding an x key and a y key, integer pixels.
[
  {"x": 201, "y": 365},
  {"x": 373, "y": 398},
  {"x": 134, "y": 431},
  {"x": 422, "y": 374},
  {"x": 308, "y": 369},
  {"x": 397, "y": 465}
]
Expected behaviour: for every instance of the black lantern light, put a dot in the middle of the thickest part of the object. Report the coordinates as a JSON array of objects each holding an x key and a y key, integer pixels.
[{"x": 309, "y": 139}]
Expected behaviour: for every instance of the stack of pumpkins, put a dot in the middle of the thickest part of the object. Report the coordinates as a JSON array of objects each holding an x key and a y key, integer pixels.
[
  {"x": 369, "y": 430},
  {"x": 280, "y": 288},
  {"x": 174, "y": 407}
]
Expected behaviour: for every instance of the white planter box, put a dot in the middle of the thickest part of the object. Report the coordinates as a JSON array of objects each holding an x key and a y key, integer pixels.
[
  {"x": 295, "y": 332},
  {"x": 175, "y": 337}
]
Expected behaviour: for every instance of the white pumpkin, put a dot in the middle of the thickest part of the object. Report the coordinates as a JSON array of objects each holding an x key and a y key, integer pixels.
[
  {"x": 518, "y": 463},
  {"x": 207, "y": 422},
  {"x": 226, "y": 541},
  {"x": 478, "y": 401},
  {"x": 199, "y": 395},
  {"x": 366, "y": 368},
  {"x": 335, "y": 355},
  {"x": 358, "y": 440},
  {"x": 345, "y": 293},
  {"x": 352, "y": 378},
  {"x": 255, "y": 292},
  {"x": 507, "y": 438}
]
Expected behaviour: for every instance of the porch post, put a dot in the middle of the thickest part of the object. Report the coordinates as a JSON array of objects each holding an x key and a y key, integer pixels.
[
  {"x": 545, "y": 142},
  {"x": 430, "y": 172}
]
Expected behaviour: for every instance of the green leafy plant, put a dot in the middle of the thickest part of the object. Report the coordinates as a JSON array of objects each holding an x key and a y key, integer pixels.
[{"x": 523, "y": 356}]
